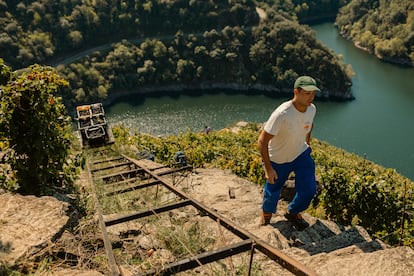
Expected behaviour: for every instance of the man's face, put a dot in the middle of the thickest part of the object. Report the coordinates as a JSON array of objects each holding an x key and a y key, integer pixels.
[{"x": 305, "y": 97}]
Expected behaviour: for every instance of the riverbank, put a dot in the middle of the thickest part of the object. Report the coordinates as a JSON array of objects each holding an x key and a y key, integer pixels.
[
  {"x": 330, "y": 18},
  {"x": 395, "y": 61},
  {"x": 217, "y": 87}
]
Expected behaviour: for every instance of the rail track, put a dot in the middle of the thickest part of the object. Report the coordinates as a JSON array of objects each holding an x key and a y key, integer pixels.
[{"x": 136, "y": 198}]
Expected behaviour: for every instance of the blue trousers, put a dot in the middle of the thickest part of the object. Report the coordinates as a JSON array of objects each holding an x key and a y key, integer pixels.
[{"x": 305, "y": 184}]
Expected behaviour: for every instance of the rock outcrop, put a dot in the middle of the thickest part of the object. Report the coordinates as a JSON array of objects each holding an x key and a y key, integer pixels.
[{"x": 28, "y": 224}]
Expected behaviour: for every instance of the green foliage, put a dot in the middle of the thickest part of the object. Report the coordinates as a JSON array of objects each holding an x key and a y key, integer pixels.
[
  {"x": 359, "y": 198},
  {"x": 7, "y": 174},
  {"x": 305, "y": 11},
  {"x": 271, "y": 55},
  {"x": 382, "y": 27},
  {"x": 354, "y": 190},
  {"x": 193, "y": 44},
  {"x": 5, "y": 72},
  {"x": 36, "y": 130},
  {"x": 35, "y": 31},
  {"x": 222, "y": 149}
]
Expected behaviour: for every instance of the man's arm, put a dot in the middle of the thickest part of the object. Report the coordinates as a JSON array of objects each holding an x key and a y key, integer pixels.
[
  {"x": 308, "y": 135},
  {"x": 262, "y": 145}
]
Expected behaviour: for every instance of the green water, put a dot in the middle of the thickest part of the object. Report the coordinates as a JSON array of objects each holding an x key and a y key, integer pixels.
[{"x": 378, "y": 124}]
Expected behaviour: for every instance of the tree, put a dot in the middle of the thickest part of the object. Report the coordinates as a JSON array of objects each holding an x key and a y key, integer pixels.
[
  {"x": 185, "y": 70},
  {"x": 75, "y": 38},
  {"x": 5, "y": 72},
  {"x": 38, "y": 131}
]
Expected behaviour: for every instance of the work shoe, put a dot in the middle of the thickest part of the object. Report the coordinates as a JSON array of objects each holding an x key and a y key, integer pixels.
[
  {"x": 266, "y": 216},
  {"x": 298, "y": 222}
]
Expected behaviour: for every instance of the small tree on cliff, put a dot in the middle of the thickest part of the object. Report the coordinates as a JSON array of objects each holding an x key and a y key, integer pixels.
[{"x": 34, "y": 125}]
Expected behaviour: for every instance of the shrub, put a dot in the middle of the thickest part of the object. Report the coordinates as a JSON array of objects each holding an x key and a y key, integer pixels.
[{"x": 36, "y": 129}]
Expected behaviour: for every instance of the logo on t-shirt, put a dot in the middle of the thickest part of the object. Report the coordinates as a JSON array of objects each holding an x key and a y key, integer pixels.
[{"x": 307, "y": 126}]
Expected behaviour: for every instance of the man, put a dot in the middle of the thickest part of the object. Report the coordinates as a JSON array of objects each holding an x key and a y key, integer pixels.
[
  {"x": 207, "y": 129},
  {"x": 284, "y": 148}
]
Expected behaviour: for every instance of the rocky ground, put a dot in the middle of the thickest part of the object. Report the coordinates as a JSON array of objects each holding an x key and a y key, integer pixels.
[{"x": 32, "y": 228}]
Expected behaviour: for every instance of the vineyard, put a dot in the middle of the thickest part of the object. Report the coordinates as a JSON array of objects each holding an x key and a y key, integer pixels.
[{"x": 354, "y": 190}]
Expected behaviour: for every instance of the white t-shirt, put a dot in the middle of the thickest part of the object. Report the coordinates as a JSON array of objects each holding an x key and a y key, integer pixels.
[{"x": 289, "y": 127}]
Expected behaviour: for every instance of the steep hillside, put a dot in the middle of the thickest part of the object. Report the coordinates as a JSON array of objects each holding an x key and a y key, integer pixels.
[{"x": 37, "y": 237}]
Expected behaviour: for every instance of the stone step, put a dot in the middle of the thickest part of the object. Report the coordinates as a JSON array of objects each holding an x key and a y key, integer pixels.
[
  {"x": 355, "y": 260},
  {"x": 353, "y": 235},
  {"x": 317, "y": 231}
]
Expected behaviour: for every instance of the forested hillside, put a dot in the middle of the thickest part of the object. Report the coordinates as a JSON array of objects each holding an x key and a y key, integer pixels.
[
  {"x": 384, "y": 28},
  {"x": 306, "y": 11},
  {"x": 162, "y": 44},
  {"x": 35, "y": 31}
]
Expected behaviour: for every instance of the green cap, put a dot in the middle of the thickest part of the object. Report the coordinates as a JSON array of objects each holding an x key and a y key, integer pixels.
[{"x": 306, "y": 83}]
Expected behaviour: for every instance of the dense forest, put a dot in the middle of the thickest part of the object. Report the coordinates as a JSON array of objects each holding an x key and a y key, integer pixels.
[
  {"x": 255, "y": 46},
  {"x": 108, "y": 48},
  {"x": 384, "y": 28}
]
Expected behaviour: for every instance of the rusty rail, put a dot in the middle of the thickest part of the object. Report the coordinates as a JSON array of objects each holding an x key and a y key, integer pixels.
[{"x": 249, "y": 241}]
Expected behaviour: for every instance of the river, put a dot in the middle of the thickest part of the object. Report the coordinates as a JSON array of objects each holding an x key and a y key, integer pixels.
[{"x": 378, "y": 124}]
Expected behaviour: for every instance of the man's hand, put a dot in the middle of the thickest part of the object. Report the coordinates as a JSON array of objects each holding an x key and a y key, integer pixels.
[
  {"x": 262, "y": 144},
  {"x": 271, "y": 176}
]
